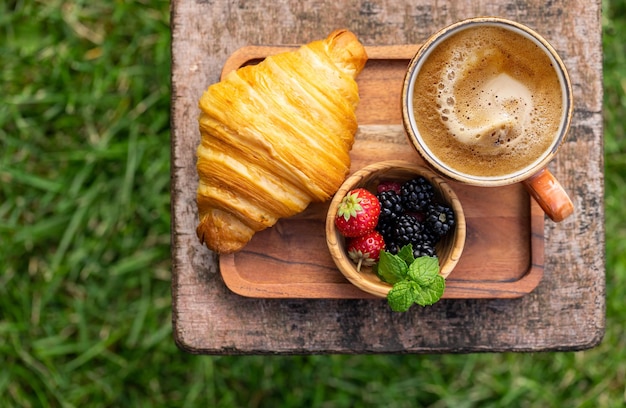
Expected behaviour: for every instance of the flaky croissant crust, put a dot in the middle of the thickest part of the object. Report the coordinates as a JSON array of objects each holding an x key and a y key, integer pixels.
[{"x": 276, "y": 136}]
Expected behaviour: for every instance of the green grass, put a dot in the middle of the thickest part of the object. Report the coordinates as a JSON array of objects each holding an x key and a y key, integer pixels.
[{"x": 85, "y": 304}]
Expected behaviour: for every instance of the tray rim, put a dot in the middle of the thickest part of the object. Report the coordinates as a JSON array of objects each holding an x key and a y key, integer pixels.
[
  {"x": 253, "y": 52},
  {"x": 483, "y": 289}
]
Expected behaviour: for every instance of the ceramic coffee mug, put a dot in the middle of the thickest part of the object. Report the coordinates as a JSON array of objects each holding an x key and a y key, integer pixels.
[{"x": 488, "y": 102}]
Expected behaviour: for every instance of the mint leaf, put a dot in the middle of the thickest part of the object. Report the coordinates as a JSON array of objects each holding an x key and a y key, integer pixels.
[
  {"x": 406, "y": 253},
  {"x": 423, "y": 270},
  {"x": 391, "y": 268},
  {"x": 402, "y": 295},
  {"x": 427, "y": 295},
  {"x": 414, "y": 280}
]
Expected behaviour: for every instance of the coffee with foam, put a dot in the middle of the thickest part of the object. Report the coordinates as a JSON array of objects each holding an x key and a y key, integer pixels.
[{"x": 488, "y": 102}]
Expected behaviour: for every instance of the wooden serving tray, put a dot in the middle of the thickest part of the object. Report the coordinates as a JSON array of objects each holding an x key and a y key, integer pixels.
[{"x": 503, "y": 255}]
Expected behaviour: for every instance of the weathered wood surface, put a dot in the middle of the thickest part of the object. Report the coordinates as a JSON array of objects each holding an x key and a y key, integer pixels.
[{"x": 566, "y": 310}]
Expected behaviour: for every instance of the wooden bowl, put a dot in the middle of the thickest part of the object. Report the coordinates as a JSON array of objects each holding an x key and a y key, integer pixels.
[{"x": 449, "y": 248}]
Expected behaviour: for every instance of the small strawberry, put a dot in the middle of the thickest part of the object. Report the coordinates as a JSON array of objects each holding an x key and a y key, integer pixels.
[
  {"x": 357, "y": 213},
  {"x": 389, "y": 185},
  {"x": 365, "y": 250}
]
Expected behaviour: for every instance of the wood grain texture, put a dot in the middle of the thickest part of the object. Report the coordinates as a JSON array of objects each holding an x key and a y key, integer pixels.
[{"x": 565, "y": 312}]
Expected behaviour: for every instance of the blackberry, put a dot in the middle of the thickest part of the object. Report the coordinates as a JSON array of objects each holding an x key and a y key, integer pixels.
[
  {"x": 392, "y": 246},
  {"x": 427, "y": 236},
  {"x": 390, "y": 205},
  {"x": 424, "y": 249},
  {"x": 386, "y": 227},
  {"x": 413, "y": 217},
  {"x": 440, "y": 219},
  {"x": 417, "y": 194},
  {"x": 407, "y": 230},
  {"x": 390, "y": 210}
]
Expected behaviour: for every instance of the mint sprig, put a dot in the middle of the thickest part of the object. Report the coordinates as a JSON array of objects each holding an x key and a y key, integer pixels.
[{"x": 414, "y": 280}]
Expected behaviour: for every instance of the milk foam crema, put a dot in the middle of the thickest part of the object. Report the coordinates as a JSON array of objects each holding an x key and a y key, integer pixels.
[
  {"x": 487, "y": 102},
  {"x": 494, "y": 112}
]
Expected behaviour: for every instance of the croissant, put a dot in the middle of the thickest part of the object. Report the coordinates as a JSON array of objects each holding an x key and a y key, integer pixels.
[{"x": 275, "y": 137}]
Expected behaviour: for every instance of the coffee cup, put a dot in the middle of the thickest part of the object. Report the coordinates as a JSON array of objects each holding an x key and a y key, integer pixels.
[{"x": 488, "y": 102}]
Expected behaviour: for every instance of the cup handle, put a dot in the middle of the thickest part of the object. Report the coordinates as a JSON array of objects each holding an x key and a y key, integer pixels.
[{"x": 550, "y": 195}]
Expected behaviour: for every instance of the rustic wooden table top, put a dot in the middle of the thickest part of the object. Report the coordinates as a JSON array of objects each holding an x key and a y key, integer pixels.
[{"x": 566, "y": 311}]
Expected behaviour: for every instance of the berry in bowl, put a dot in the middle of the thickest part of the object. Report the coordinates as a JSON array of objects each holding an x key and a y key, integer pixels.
[{"x": 396, "y": 229}]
